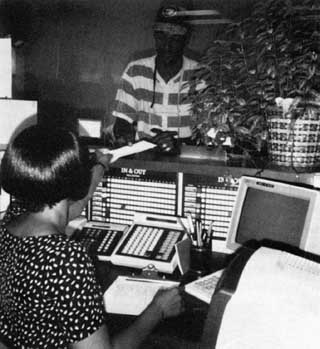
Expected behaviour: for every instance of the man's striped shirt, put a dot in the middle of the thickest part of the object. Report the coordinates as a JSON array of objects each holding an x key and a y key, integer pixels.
[{"x": 170, "y": 110}]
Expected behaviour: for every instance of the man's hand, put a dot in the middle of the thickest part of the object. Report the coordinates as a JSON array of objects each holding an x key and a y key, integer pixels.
[{"x": 165, "y": 140}]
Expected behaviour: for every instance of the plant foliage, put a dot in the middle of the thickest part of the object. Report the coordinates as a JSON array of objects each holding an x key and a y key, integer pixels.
[{"x": 274, "y": 53}]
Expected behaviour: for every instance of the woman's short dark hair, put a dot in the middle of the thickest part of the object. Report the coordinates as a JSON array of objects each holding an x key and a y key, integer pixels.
[{"x": 42, "y": 167}]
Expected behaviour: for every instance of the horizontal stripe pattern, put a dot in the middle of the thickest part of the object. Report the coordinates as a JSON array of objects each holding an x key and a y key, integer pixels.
[
  {"x": 135, "y": 96},
  {"x": 175, "y": 98},
  {"x": 147, "y": 95},
  {"x": 150, "y": 118},
  {"x": 135, "y": 70},
  {"x": 174, "y": 122}
]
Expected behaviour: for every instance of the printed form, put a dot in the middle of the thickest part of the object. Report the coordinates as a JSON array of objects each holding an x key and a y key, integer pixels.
[
  {"x": 278, "y": 300},
  {"x": 130, "y": 295}
]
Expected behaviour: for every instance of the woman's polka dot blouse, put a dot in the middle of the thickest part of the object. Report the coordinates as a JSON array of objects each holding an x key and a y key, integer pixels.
[{"x": 49, "y": 297}]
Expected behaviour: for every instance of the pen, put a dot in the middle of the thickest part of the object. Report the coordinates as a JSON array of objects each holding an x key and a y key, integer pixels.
[
  {"x": 161, "y": 282},
  {"x": 189, "y": 217},
  {"x": 199, "y": 232},
  {"x": 210, "y": 232},
  {"x": 139, "y": 280},
  {"x": 210, "y": 228},
  {"x": 183, "y": 225},
  {"x": 204, "y": 237},
  {"x": 185, "y": 228}
]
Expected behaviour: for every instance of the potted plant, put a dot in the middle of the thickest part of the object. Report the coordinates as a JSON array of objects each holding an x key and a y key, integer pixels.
[
  {"x": 288, "y": 41},
  {"x": 273, "y": 53}
]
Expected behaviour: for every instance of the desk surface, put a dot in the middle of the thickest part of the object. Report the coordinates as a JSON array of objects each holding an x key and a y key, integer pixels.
[{"x": 184, "y": 331}]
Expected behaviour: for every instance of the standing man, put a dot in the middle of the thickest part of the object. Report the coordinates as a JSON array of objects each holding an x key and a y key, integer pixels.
[{"x": 151, "y": 100}]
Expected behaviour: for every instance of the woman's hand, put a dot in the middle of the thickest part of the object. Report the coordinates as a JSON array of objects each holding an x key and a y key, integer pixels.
[
  {"x": 103, "y": 159},
  {"x": 169, "y": 302},
  {"x": 102, "y": 162}
]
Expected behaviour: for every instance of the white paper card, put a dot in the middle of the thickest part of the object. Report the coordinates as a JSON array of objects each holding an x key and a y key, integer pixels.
[
  {"x": 5, "y": 68},
  {"x": 131, "y": 296},
  {"x": 128, "y": 150},
  {"x": 16, "y": 115}
]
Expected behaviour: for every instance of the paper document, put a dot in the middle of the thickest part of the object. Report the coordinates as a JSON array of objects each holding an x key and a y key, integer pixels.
[
  {"x": 204, "y": 287},
  {"x": 6, "y": 64},
  {"x": 278, "y": 300},
  {"x": 130, "y": 296},
  {"x": 128, "y": 150}
]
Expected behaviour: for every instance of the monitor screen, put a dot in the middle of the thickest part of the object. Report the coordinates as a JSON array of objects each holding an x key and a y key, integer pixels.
[
  {"x": 276, "y": 211},
  {"x": 89, "y": 131},
  {"x": 261, "y": 217},
  {"x": 89, "y": 128}
]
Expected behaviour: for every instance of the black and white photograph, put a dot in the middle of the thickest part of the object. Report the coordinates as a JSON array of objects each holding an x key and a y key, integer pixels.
[{"x": 159, "y": 174}]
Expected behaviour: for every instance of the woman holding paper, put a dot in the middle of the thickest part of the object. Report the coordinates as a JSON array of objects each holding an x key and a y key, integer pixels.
[{"x": 49, "y": 296}]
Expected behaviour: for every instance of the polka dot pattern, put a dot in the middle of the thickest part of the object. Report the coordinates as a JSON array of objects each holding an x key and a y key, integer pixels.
[{"x": 49, "y": 296}]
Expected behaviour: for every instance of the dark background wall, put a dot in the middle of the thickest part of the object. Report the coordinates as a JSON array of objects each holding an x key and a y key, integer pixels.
[{"x": 70, "y": 54}]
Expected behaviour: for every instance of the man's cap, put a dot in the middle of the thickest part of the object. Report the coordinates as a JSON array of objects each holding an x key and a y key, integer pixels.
[
  {"x": 168, "y": 19},
  {"x": 181, "y": 14}
]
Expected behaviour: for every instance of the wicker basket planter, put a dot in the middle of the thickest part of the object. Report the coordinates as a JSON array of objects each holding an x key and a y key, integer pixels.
[{"x": 295, "y": 142}]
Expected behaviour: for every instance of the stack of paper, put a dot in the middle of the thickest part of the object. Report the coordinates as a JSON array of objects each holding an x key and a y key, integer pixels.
[{"x": 276, "y": 304}]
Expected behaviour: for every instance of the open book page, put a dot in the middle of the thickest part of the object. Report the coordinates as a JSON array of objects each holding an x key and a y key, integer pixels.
[
  {"x": 276, "y": 304},
  {"x": 128, "y": 149},
  {"x": 130, "y": 296}
]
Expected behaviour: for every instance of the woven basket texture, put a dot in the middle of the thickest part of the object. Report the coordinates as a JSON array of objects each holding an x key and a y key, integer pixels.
[{"x": 294, "y": 142}]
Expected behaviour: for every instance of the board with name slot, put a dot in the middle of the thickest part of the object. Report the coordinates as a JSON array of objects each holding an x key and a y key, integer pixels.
[{"x": 125, "y": 191}]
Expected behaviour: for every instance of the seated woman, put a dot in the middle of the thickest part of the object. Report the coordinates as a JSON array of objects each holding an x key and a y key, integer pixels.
[{"x": 49, "y": 297}]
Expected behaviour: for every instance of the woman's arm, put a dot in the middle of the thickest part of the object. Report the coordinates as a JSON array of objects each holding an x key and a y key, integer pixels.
[
  {"x": 76, "y": 207},
  {"x": 166, "y": 303},
  {"x": 98, "y": 340}
]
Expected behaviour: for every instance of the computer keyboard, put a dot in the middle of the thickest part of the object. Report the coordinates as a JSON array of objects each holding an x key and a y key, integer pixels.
[
  {"x": 100, "y": 239},
  {"x": 144, "y": 245},
  {"x": 150, "y": 242},
  {"x": 140, "y": 245}
]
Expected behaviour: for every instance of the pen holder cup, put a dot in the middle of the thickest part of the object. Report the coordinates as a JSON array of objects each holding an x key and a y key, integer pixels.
[{"x": 200, "y": 260}]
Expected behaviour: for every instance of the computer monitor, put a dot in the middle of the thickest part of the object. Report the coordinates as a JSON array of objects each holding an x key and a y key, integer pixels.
[
  {"x": 89, "y": 131},
  {"x": 277, "y": 211}
]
